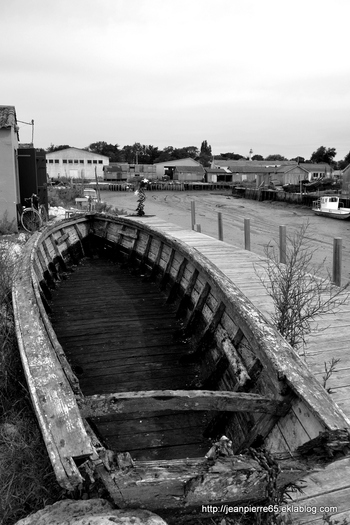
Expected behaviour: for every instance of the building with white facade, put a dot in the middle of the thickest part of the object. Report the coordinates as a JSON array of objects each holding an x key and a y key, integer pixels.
[{"x": 75, "y": 163}]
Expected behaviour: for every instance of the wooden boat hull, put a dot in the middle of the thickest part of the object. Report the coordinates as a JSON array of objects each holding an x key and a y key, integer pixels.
[{"x": 260, "y": 386}]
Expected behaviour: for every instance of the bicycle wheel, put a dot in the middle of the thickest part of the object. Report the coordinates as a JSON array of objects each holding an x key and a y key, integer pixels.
[
  {"x": 30, "y": 220},
  {"x": 43, "y": 214}
]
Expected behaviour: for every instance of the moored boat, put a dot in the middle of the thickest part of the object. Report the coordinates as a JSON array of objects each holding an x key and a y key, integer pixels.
[
  {"x": 263, "y": 409},
  {"x": 330, "y": 206}
]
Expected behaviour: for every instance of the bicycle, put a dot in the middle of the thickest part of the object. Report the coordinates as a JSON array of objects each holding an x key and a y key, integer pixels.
[{"x": 33, "y": 217}]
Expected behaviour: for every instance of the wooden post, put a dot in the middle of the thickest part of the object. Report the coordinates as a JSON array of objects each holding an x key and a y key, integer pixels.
[
  {"x": 193, "y": 214},
  {"x": 247, "y": 234},
  {"x": 337, "y": 257},
  {"x": 283, "y": 244},
  {"x": 97, "y": 186},
  {"x": 220, "y": 230}
]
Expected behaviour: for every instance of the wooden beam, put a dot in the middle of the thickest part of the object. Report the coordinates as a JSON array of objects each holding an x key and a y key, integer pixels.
[
  {"x": 174, "y": 289},
  {"x": 145, "y": 254},
  {"x": 79, "y": 234},
  {"x": 155, "y": 400},
  {"x": 156, "y": 263},
  {"x": 166, "y": 275},
  {"x": 62, "y": 239},
  {"x": 189, "y": 483},
  {"x": 206, "y": 336},
  {"x": 183, "y": 305},
  {"x": 197, "y": 310}
]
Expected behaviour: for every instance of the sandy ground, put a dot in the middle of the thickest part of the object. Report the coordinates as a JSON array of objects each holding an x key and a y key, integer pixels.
[{"x": 265, "y": 219}]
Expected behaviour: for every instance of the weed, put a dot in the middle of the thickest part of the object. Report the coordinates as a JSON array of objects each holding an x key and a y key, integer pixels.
[
  {"x": 64, "y": 196},
  {"x": 7, "y": 226},
  {"x": 329, "y": 369},
  {"x": 103, "y": 207},
  {"x": 298, "y": 292}
]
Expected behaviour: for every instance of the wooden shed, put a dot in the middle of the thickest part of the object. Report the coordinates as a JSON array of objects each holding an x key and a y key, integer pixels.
[{"x": 189, "y": 173}]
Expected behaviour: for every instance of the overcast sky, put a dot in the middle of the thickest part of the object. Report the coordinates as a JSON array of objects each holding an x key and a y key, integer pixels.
[{"x": 271, "y": 75}]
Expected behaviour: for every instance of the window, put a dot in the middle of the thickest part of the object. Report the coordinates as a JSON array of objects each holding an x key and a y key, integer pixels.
[
  {"x": 94, "y": 161},
  {"x": 89, "y": 161},
  {"x": 64, "y": 161},
  {"x": 100, "y": 161},
  {"x": 81, "y": 161},
  {"x": 57, "y": 161},
  {"x": 76, "y": 162},
  {"x": 50, "y": 161},
  {"x": 70, "y": 162}
]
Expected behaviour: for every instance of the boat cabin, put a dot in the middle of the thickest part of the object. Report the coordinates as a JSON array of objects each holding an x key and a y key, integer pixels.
[{"x": 329, "y": 202}]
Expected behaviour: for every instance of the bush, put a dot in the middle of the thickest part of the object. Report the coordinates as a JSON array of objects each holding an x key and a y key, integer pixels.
[
  {"x": 298, "y": 291},
  {"x": 64, "y": 196},
  {"x": 7, "y": 226}
]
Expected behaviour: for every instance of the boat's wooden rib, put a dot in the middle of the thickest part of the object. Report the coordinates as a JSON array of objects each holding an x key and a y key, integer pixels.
[
  {"x": 154, "y": 400},
  {"x": 254, "y": 388}
]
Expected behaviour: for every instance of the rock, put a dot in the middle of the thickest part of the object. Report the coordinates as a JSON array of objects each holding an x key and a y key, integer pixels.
[{"x": 90, "y": 512}]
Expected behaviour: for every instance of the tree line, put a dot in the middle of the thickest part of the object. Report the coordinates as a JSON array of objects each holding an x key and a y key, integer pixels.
[{"x": 148, "y": 154}]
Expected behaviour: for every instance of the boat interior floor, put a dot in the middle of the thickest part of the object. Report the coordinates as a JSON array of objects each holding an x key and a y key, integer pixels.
[{"x": 119, "y": 335}]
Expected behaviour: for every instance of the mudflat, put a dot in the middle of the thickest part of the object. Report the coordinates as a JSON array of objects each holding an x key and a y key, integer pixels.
[{"x": 265, "y": 219}]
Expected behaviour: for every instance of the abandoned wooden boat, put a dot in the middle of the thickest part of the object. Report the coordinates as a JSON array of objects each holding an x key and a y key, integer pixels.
[
  {"x": 224, "y": 413},
  {"x": 331, "y": 206}
]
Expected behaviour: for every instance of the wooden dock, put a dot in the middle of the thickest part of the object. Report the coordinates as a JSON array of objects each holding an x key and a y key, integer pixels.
[{"x": 329, "y": 487}]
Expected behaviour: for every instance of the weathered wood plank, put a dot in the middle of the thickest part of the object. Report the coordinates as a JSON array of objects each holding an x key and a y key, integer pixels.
[
  {"x": 180, "y": 400},
  {"x": 190, "y": 482},
  {"x": 62, "y": 239},
  {"x": 52, "y": 398}
]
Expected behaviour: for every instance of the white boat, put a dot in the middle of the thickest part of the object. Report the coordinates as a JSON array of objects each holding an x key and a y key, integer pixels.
[{"x": 330, "y": 206}]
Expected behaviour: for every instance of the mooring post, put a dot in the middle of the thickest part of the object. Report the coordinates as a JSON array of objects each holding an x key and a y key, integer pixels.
[
  {"x": 283, "y": 244},
  {"x": 199, "y": 228},
  {"x": 337, "y": 256},
  {"x": 247, "y": 234},
  {"x": 193, "y": 214},
  {"x": 220, "y": 230}
]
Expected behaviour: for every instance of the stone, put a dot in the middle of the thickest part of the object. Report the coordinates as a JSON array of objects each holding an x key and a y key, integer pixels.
[{"x": 90, "y": 512}]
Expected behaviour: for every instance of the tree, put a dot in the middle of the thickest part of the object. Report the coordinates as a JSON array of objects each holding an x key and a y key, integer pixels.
[
  {"x": 205, "y": 155},
  {"x": 165, "y": 155},
  {"x": 135, "y": 154},
  {"x": 257, "y": 157},
  {"x": 298, "y": 159},
  {"x": 109, "y": 150},
  {"x": 275, "y": 157},
  {"x": 298, "y": 291},
  {"x": 345, "y": 162},
  {"x": 231, "y": 156},
  {"x": 323, "y": 154},
  {"x": 53, "y": 148}
]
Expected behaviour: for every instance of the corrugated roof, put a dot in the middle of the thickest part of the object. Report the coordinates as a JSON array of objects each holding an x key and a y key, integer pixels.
[
  {"x": 193, "y": 169},
  {"x": 252, "y": 169},
  {"x": 8, "y": 117},
  {"x": 285, "y": 169},
  {"x": 233, "y": 164},
  {"x": 220, "y": 171},
  {"x": 175, "y": 162},
  {"x": 59, "y": 152},
  {"x": 321, "y": 166}
]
